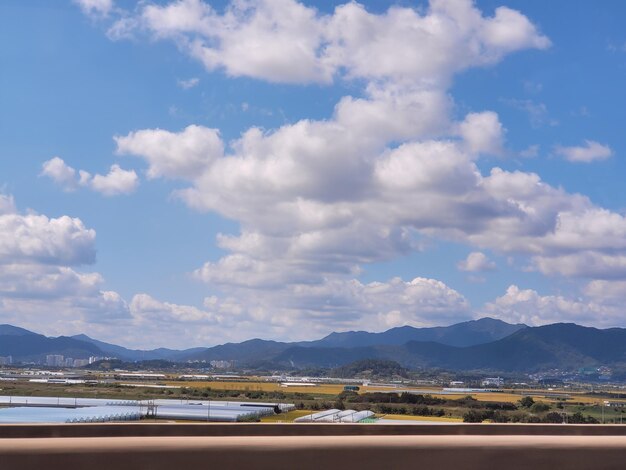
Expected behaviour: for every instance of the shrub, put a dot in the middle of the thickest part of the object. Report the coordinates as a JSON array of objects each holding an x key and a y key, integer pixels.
[
  {"x": 500, "y": 417},
  {"x": 539, "y": 407},
  {"x": 553, "y": 418},
  {"x": 473, "y": 416},
  {"x": 527, "y": 402}
]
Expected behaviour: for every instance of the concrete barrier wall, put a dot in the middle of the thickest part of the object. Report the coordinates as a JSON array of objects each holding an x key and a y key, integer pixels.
[
  {"x": 314, "y": 452},
  {"x": 311, "y": 447},
  {"x": 144, "y": 429}
]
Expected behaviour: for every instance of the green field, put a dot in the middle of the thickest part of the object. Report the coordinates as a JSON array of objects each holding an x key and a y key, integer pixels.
[{"x": 499, "y": 406}]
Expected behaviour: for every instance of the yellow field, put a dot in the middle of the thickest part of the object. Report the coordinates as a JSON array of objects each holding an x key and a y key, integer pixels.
[
  {"x": 286, "y": 417},
  {"x": 249, "y": 386},
  {"x": 537, "y": 395},
  {"x": 501, "y": 397},
  {"x": 422, "y": 418},
  {"x": 334, "y": 389}
]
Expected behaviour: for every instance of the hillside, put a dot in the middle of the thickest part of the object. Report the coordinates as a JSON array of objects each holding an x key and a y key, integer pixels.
[
  {"x": 10, "y": 330},
  {"x": 558, "y": 346},
  {"x": 32, "y": 346},
  {"x": 248, "y": 351},
  {"x": 462, "y": 334},
  {"x": 126, "y": 354},
  {"x": 563, "y": 346}
]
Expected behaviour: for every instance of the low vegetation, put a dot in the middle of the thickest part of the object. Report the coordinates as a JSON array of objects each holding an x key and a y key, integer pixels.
[{"x": 499, "y": 408}]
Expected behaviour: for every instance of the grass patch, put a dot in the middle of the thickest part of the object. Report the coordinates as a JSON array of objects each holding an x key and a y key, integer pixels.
[
  {"x": 421, "y": 418},
  {"x": 285, "y": 417}
]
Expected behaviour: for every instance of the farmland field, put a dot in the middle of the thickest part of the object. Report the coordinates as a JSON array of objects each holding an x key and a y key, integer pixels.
[
  {"x": 285, "y": 417},
  {"x": 250, "y": 386},
  {"x": 420, "y": 418}
]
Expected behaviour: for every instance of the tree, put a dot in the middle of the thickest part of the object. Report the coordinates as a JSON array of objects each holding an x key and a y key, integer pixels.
[
  {"x": 539, "y": 407},
  {"x": 500, "y": 417},
  {"x": 527, "y": 402},
  {"x": 473, "y": 416},
  {"x": 553, "y": 417}
]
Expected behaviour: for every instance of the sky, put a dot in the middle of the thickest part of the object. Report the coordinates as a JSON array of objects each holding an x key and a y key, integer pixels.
[{"x": 187, "y": 173}]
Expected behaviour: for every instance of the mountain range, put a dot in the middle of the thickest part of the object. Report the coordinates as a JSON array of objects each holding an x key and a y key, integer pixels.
[{"x": 486, "y": 344}]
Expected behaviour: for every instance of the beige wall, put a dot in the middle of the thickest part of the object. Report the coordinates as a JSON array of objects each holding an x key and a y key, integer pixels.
[{"x": 178, "y": 447}]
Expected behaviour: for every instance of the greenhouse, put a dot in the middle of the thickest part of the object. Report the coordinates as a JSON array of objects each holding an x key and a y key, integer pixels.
[
  {"x": 336, "y": 416},
  {"x": 19, "y": 409}
]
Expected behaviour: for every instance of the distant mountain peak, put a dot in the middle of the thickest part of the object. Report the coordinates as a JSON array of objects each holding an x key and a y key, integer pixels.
[
  {"x": 466, "y": 333},
  {"x": 10, "y": 330}
]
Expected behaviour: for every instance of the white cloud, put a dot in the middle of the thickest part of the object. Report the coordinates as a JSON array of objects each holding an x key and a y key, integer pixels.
[
  {"x": 62, "y": 174},
  {"x": 341, "y": 304},
  {"x": 38, "y": 274},
  {"x": 529, "y": 307},
  {"x": 286, "y": 41},
  {"x": 611, "y": 293},
  {"x": 37, "y": 238},
  {"x": 183, "y": 155},
  {"x": 7, "y": 204},
  {"x": 95, "y": 8},
  {"x": 31, "y": 280},
  {"x": 589, "y": 264},
  {"x": 483, "y": 133},
  {"x": 320, "y": 197},
  {"x": 590, "y": 152},
  {"x": 189, "y": 83},
  {"x": 316, "y": 200},
  {"x": 476, "y": 261},
  {"x": 117, "y": 181},
  {"x": 149, "y": 310}
]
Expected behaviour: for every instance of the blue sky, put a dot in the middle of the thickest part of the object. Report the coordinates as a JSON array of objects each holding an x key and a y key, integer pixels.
[{"x": 285, "y": 169}]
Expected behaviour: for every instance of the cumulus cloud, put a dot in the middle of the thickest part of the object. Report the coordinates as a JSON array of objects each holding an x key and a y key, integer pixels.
[
  {"x": 607, "y": 292},
  {"x": 589, "y": 264},
  {"x": 294, "y": 208},
  {"x": 529, "y": 307},
  {"x": 39, "y": 262},
  {"x": 340, "y": 304},
  {"x": 317, "y": 199},
  {"x": 117, "y": 181},
  {"x": 323, "y": 197},
  {"x": 95, "y": 8},
  {"x": 483, "y": 133},
  {"x": 475, "y": 262},
  {"x": 37, "y": 238},
  {"x": 590, "y": 152},
  {"x": 174, "y": 155},
  {"x": 286, "y": 41},
  {"x": 62, "y": 174},
  {"x": 149, "y": 310}
]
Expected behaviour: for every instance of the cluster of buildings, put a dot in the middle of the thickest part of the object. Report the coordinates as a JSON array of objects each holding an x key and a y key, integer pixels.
[
  {"x": 222, "y": 364},
  {"x": 6, "y": 360},
  {"x": 486, "y": 382},
  {"x": 58, "y": 360}
]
